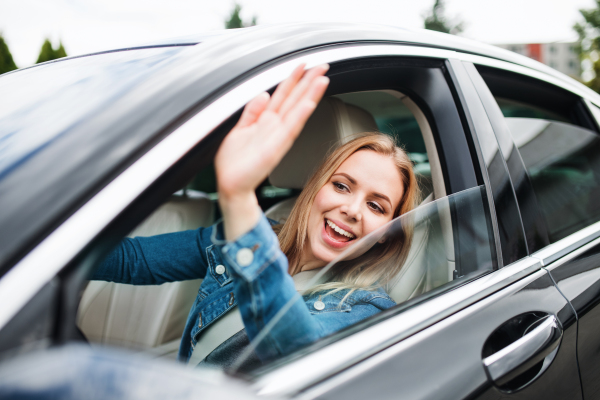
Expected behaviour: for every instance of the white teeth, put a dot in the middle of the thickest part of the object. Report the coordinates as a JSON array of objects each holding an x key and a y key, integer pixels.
[{"x": 339, "y": 230}]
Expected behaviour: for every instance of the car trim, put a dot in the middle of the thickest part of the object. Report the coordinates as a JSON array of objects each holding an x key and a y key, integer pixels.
[
  {"x": 551, "y": 253},
  {"x": 29, "y": 275},
  {"x": 508, "y": 66}
]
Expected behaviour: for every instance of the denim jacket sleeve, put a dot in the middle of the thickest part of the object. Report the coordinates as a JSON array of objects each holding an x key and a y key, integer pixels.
[
  {"x": 263, "y": 287},
  {"x": 157, "y": 259}
]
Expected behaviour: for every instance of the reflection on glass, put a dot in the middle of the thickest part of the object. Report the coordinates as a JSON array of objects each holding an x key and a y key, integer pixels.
[
  {"x": 438, "y": 245},
  {"x": 563, "y": 162},
  {"x": 41, "y": 103}
]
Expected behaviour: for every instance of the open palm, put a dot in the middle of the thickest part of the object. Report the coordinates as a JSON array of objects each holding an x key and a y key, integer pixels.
[{"x": 266, "y": 131}]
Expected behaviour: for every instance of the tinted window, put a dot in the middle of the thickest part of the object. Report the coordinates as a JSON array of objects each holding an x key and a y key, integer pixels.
[
  {"x": 563, "y": 162},
  {"x": 555, "y": 171}
]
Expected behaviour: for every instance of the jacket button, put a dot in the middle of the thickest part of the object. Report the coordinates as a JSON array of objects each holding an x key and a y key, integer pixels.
[
  {"x": 319, "y": 305},
  {"x": 220, "y": 269},
  {"x": 244, "y": 257}
]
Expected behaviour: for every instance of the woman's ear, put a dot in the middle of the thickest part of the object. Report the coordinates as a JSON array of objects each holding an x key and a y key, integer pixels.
[{"x": 382, "y": 240}]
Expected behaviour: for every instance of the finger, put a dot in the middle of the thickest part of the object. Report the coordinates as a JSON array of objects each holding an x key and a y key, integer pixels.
[
  {"x": 285, "y": 87},
  {"x": 301, "y": 88},
  {"x": 253, "y": 110},
  {"x": 297, "y": 117}
]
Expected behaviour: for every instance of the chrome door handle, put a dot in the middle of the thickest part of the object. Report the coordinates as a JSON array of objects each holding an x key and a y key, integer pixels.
[{"x": 524, "y": 353}]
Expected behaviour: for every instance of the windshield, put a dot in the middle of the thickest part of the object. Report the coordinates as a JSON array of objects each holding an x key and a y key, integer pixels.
[
  {"x": 41, "y": 103},
  {"x": 425, "y": 252}
]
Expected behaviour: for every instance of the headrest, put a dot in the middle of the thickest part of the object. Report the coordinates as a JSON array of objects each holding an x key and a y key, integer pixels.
[{"x": 332, "y": 123}]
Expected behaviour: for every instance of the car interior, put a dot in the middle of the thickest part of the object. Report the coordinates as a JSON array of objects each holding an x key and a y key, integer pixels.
[{"x": 151, "y": 318}]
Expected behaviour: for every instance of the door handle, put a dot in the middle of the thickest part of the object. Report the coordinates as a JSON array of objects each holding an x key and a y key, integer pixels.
[{"x": 524, "y": 353}]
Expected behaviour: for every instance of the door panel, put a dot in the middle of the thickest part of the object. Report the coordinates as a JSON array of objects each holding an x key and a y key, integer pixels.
[
  {"x": 445, "y": 361},
  {"x": 579, "y": 280}
]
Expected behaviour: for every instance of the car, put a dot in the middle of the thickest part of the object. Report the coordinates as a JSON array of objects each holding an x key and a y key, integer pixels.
[{"x": 498, "y": 297}]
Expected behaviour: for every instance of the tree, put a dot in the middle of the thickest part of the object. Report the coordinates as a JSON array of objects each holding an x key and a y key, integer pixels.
[
  {"x": 589, "y": 45},
  {"x": 6, "y": 61},
  {"x": 235, "y": 20},
  {"x": 47, "y": 53},
  {"x": 435, "y": 20}
]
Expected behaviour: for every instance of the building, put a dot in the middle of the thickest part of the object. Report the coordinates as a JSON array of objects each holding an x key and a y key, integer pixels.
[{"x": 561, "y": 56}]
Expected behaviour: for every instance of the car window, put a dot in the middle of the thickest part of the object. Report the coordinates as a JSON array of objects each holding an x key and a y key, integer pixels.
[
  {"x": 563, "y": 162},
  {"x": 448, "y": 240},
  {"x": 557, "y": 146},
  {"x": 428, "y": 267}
]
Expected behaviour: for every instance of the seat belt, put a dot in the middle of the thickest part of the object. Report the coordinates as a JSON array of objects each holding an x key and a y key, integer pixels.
[{"x": 231, "y": 323}]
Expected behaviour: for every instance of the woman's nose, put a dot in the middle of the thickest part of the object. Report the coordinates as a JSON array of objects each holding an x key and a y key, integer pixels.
[{"x": 352, "y": 210}]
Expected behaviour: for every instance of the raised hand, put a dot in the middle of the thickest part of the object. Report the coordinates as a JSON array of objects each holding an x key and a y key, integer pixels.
[{"x": 263, "y": 135}]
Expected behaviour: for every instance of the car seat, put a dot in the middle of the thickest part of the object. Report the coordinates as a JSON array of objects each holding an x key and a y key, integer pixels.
[{"x": 143, "y": 317}]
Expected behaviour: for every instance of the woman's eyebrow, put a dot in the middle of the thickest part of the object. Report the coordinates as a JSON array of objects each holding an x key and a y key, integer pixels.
[
  {"x": 382, "y": 196},
  {"x": 351, "y": 179}
]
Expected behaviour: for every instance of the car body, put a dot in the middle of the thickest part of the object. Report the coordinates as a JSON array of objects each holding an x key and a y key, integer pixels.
[{"x": 94, "y": 144}]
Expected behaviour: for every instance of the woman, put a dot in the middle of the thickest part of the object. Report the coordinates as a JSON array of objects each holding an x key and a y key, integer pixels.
[{"x": 360, "y": 187}]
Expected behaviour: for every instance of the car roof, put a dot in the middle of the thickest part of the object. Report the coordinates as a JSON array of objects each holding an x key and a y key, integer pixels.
[
  {"x": 363, "y": 32},
  {"x": 116, "y": 132}
]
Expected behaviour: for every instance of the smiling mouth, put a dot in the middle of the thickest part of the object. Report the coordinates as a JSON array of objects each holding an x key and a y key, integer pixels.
[{"x": 336, "y": 233}]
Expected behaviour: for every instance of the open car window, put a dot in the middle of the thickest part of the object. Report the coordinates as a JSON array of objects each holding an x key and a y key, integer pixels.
[{"x": 449, "y": 242}]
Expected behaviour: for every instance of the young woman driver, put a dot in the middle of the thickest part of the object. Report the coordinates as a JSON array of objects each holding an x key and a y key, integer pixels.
[{"x": 361, "y": 186}]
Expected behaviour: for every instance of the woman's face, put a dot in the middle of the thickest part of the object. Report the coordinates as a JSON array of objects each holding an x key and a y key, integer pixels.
[{"x": 360, "y": 197}]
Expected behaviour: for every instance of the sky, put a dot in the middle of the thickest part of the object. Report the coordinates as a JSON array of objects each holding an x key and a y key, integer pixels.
[{"x": 86, "y": 26}]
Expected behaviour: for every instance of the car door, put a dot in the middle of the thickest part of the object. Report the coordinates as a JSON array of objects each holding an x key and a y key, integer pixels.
[
  {"x": 557, "y": 167},
  {"x": 504, "y": 333},
  {"x": 561, "y": 177}
]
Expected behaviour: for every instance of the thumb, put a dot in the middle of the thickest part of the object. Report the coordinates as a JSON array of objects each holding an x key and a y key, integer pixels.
[{"x": 253, "y": 110}]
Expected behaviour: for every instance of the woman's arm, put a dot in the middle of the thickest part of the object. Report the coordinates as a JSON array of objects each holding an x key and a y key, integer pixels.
[
  {"x": 157, "y": 259},
  {"x": 263, "y": 135},
  {"x": 265, "y": 132}
]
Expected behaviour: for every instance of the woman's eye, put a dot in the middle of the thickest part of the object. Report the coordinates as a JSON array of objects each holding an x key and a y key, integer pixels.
[
  {"x": 375, "y": 207},
  {"x": 340, "y": 186}
]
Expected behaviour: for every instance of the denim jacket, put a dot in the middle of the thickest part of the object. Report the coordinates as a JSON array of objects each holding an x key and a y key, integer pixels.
[{"x": 251, "y": 272}]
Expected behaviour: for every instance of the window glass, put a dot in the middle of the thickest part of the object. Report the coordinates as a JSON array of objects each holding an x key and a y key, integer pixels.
[
  {"x": 515, "y": 109},
  {"x": 563, "y": 162},
  {"x": 42, "y": 102},
  {"x": 417, "y": 251},
  {"x": 444, "y": 243}
]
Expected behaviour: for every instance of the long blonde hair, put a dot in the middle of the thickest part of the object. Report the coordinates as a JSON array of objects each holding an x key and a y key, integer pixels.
[{"x": 382, "y": 263}]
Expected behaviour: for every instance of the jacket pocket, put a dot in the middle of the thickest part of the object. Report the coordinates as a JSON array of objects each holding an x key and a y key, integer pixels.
[{"x": 216, "y": 267}]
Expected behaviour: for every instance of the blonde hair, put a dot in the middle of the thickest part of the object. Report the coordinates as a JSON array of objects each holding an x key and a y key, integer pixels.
[{"x": 378, "y": 266}]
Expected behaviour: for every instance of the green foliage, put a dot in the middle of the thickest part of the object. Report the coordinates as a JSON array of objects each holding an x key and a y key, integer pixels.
[
  {"x": 589, "y": 43},
  {"x": 47, "y": 53},
  {"x": 6, "y": 61},
  {"x": 435, "y": 20},
  {"x": 235, "y": 20}
]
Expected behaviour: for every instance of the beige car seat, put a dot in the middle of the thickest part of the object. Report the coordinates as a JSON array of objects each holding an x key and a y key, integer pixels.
[
  {"x": 332, "y": 123},
  {"x": 144, "y": 317}
]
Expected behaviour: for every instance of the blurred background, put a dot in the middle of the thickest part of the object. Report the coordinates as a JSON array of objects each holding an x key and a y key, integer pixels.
[{"x": 564, "y": 34}]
